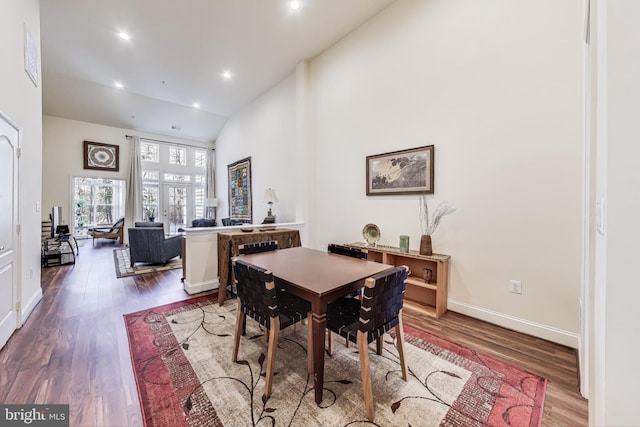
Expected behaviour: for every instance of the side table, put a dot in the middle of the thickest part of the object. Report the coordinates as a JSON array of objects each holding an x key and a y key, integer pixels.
[{"x": 59, "y": 251}]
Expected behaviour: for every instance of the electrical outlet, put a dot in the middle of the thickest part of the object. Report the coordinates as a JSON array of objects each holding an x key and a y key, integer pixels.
[{"x": 515, "y": 287}]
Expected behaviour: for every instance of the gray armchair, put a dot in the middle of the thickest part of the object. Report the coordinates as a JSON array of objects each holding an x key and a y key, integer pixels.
[{"x": 148, "y": 244}]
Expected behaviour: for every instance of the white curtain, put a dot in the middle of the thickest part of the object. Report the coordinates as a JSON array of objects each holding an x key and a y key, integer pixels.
[
  {"x": 134, "y": 190},
  {"x": 211, "y": 172}
]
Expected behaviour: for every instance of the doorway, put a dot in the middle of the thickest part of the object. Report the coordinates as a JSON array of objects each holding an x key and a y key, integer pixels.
[
  {"x": 176, "y": 206},
  {"x": 9, "y": 310}
]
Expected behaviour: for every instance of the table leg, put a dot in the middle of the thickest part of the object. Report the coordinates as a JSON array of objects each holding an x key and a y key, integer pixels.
[
  {"x": 319, "y": 327},
  {"x": 222, "y": 294}
]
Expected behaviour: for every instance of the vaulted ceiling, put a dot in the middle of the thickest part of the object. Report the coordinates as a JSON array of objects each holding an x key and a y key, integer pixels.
[{"x": 176, "y": 55}]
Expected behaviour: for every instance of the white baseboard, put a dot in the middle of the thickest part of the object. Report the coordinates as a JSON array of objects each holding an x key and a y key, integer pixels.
[
  {"x": 538, "y": 330},
  {"x": 30, "y": 305},
  {"x": 196, "y": 288}
]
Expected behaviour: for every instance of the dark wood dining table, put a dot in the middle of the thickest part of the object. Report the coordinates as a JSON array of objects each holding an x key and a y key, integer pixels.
[{"x": 318, "y": 277}]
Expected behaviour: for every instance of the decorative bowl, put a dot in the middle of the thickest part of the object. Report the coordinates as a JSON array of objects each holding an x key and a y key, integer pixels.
[
  {"x": 267, "y": 228},
  {"x": 371, "y": 234},
  {"x": 246, "y": 229}
]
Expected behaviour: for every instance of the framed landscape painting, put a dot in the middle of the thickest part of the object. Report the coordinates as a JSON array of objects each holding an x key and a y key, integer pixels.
[
  {"x": 240, "y": 190},
  {"x": 401, "y": 172}
]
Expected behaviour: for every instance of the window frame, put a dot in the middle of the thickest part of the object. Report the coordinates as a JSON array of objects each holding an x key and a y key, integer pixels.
[{"x": 192, "y": 173}]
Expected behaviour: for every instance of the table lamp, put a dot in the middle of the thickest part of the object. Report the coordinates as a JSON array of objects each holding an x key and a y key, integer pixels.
[
  {"x": 209, "y": 203},
  {"x": 270, "y": 198}
]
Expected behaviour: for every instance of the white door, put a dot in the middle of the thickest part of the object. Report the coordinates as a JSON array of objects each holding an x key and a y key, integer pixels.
[
  {"x": 177, "y": 202},
  {"x": 8, "y": 232}
]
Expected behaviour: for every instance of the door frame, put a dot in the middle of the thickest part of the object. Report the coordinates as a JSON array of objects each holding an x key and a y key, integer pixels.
[
  {"x": 164, "y": 202},
  {"x": 17, "y": 277}
]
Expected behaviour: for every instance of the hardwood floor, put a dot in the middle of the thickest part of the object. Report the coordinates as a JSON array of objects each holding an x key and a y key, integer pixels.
[{"x": 74, "y": 348}]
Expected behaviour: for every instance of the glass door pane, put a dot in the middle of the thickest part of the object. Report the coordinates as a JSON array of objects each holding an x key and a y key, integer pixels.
[{"x": 177, "y": 200}]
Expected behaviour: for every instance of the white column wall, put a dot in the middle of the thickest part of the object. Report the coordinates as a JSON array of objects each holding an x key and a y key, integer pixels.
[
  {"x": 21, "y": 100},
  {"x": 264, "y": 131},
  {"x": 614, "y": 394}
]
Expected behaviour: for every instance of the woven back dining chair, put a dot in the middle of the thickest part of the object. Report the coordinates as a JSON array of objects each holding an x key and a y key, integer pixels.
[
  {"x": 380, "y": 311},
  {"x": 259, "y": 299},
  {"x": 349, "y": 251},
  {"x": 252, "y": 248},
  {"x": 257, "y": 247},
  {"x": 352, "y": 252}
]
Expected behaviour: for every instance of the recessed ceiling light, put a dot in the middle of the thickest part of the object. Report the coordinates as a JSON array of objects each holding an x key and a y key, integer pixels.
[
  {"x": 227, "y": 75},
  {"x": 295, "y": 5},
  {"x": 124, "y": 36},
  {"x": 196, "y": 105},
  {"x": 118, "y": 85}
]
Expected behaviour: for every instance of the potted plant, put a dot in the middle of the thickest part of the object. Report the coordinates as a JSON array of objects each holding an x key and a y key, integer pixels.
[
  {"x": 151, "y": 214},
  {"x": 429, "y": 225}
]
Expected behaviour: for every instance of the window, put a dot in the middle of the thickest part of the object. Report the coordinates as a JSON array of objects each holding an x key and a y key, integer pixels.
[
  {"x": 177, "y": 177},
  {"x": 150, "y": 175},
  {"x": 173, "y": 181},
  {"x": 149, "y": 152},
  {"x": 150, "y": 199},
  {"x": 199, "y": 200},
  {"x": 177, "y": 156},
  {"x": 97, "y": 201},
  {"x": 200, "y": 158}
]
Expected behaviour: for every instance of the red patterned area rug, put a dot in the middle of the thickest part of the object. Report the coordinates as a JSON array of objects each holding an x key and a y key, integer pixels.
[{"x": 181, "y": 355}]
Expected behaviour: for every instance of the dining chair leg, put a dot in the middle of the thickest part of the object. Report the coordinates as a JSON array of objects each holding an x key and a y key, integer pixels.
[
  {"x": 271, "y": 355},
  {"x": 400, "y": 345},
  {"x": 240, "y": 320},
  {"x": 329, "y": 342},
  {"x": 309, "y": 344},
  {"x": 379, "y": 346},
  {"x": 363, "y": 349}
]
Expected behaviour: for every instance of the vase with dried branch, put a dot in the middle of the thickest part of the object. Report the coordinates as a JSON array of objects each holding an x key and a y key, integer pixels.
[{"x": 429, "y": 225}]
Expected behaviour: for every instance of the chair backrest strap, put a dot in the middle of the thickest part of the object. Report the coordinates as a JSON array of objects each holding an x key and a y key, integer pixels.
[
  {"x": 382, "y": 300},
  {"x": 348, "y": 251},
  {"x": 258, "y": 247},
  {"x": 256, "y": 291}
]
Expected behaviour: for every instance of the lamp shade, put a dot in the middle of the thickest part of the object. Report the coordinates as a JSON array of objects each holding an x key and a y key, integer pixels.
[
  {"x": 270, "y": 196},
  {"x": 211, "y": 202}
]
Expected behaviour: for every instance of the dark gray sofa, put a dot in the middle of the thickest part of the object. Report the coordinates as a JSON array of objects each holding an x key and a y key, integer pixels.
[{"x": 147, "y": 243}]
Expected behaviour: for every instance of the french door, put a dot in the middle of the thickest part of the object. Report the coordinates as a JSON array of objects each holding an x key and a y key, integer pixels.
[
  {"x": 9, "y": 318},
  {"x": 177, "y": 202}
]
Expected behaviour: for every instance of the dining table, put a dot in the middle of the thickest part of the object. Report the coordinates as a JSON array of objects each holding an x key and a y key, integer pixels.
[{"x": 318, "y": 277}]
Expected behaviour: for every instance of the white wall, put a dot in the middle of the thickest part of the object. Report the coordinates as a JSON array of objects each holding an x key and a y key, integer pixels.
[
  {"x": 63, "y": 157},
  {"x": 22, "y": 102},
  {"x": 496, "y": 86},
  {"x": 264, "y": 131},
  {"x": 615, "y": 394}
]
